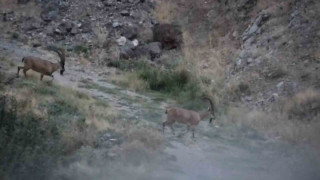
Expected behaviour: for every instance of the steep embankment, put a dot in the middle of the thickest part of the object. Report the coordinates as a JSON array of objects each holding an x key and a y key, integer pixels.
[
  {"x": 258, "y": 60},
  {"x": 97, "y": 143}
]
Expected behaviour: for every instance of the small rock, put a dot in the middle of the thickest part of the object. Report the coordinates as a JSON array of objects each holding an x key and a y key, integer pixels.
[
  {"x": 249, "y": 60},
  {"x": 130, "y": 32},
  {"x": 86, "y": 27},
  {"x": 280, "y": 85},
  {"x": 239, "y": 62},
  {"x": 23, "y": 1},
  {"x": 121, "y": 41},
  {"x": 205, "y": 66},
  {"x": 127, "y": 51},
  {"x": 74, "y": 30},
  {"x": 125, "y": 13},
  {"x": 116, "y": 24},
  {"x": 249, "y": 98},
  {"x": 135, "y": 42},
  {"x": 155, "y": 49}
]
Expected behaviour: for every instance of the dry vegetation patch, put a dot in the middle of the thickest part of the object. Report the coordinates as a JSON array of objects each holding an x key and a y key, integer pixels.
[{"x": 304, "y": 105}]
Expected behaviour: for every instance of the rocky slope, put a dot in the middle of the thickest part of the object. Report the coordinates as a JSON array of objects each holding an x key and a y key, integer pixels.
[{"x": 267, "y": 51}]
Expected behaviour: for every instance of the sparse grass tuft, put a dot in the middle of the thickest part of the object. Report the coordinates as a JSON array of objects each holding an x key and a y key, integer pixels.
[
  {"x": 131, "y": 81},
  {"x": 15, "y": 36},
  {"x": 304, "y": 105},
  {"x": 274, "y": 125},
  {"x": 46, "y": 123},
  {"x": 81, "y": 49}
]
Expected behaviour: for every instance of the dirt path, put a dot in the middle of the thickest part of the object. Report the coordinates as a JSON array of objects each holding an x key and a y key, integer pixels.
[{"x": 216, "y": 153}]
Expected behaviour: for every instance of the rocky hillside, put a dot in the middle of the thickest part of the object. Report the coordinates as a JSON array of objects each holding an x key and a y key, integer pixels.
[
  {"x": 100, "y": 29},
  {"x": 261, "y": 54}
]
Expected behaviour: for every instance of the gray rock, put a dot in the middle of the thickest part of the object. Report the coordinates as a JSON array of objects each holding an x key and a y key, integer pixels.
[
  {"x": 86, "y": 27},
  {"x": 109, "y": 3},
  {"x": 49, "y": 16},
  {"x": 135, "y": 42},
  {"x": 74, "y": 30},
  {"x": 141, "y": 51},
  {"x": 155, "y": 50},
  {"x": 121, "y": 41},
  {"x": 127, "y": 51},
  {"x": 125, "y": 13},
  {"x": 23, "y": 1},
  {"x": 254, "y": 28},
  {"x": 116, "y": 24},
  {"x": 130, "y": 32}
]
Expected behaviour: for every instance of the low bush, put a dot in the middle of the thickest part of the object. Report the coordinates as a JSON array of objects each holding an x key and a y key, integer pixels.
[
  {"x": 27, "y": 143},
  {"x": 81, "y": 49},
  {"x": 177, "y": 82},
  {"x": 304, "y": 105}
]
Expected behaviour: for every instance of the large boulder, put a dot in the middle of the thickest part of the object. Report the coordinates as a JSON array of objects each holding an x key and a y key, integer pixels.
[
  {"x": 154, "y": 49},
  {"x": 168, "y": 34},
  {"x": 50, "y": 11},
  {"x": 130, "y": 32},
  {"x": 127, "y": 51},
  {"x": 23, "y": 1}
]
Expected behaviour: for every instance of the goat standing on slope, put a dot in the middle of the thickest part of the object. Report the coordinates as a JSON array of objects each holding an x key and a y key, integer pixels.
[
  {"x": 188, "y": 117},
  {"x": 44, "y": 67}
]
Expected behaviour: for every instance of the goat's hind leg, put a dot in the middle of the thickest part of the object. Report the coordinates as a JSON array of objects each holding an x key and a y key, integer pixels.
[
  {"x": 172, "y": 129},
  {"x": 25, "y": 69},
  {"x": 19, "y": 67}
]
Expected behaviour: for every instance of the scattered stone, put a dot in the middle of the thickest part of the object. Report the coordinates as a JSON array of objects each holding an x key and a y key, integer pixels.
[
  {"x": 23, "y": 1},
  {"x": 155, "y": 50},
  {"x": 121, "y": 41},
  {"x": 74, "y": 30},
  {"x": 280, "y": 85},
  {"x": 127, "y": 51},
  {"x": 135, "y": 42},
  {"x": 86, "y": 27},
  {"x": 116, "y": 24},
  {"x": 254, "y": 27},
  {"x": 125, "y": 13},
  {"x": 130, "y": 32}
]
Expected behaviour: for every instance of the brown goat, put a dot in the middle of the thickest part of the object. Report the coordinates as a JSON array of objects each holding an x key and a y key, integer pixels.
[
  {"x": 188, "y": 117},
  {"x": 44, "y": 67}
]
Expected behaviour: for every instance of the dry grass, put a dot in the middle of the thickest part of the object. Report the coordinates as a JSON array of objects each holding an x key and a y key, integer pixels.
[
  {"x": 39, "y": 97},
  {"x": 129, "y": 80},
  {"x": 304, "y": 105},
  {"x": 166, "y": 11},
  {"x": 142, "y": 145},
  {"x": 274, "y": 125},
  {"x": 30, "y": 10}
]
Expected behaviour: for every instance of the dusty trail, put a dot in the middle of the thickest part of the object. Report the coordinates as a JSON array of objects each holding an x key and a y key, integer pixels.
[{"x": 217, "y": 153}]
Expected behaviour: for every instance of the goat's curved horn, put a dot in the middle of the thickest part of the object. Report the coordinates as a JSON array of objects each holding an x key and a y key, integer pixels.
[
  {"x": 211, "y": 104},
  {"x": 59, "y": 51}
]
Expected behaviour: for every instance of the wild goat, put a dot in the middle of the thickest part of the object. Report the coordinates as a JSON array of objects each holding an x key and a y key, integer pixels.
[
  {"x": 189, "y": 117},
  {"x": 44, "y": 67}
]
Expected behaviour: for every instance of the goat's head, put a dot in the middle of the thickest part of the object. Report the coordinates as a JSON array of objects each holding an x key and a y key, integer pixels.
[
  {"x": 61, "y": 54},
  {"x": 62, "y": 68},
  {"x": 210, "y": 108}
]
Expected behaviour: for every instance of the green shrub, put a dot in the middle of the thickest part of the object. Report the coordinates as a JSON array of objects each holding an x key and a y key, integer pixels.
[
  {"x": 27, "y": 144},
  {"x": 176, "y": 82},
  {"x": 81, "y": 49},
  {"x": 15, "y": 36}
]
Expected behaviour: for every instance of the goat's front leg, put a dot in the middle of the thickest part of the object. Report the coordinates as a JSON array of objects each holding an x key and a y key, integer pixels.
[
  {"x": 172, "y": 129},
  {"x": 41, "y": 77}
]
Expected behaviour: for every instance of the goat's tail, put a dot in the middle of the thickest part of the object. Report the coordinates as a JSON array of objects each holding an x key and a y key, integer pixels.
[
  {"x": 167, "y": 107},
  {"x": 22, "y": 60}
]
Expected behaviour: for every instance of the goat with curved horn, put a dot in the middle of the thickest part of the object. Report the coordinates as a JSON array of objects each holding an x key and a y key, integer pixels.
[
  {"x": 189, "y": 117},
  {"x": 42, "y": 66}
]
